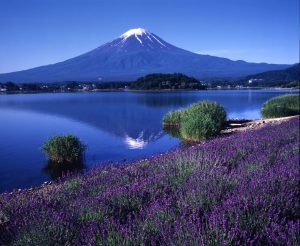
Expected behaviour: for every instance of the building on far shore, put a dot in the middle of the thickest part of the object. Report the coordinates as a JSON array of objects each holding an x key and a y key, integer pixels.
[{"x": 250, "y": 81}]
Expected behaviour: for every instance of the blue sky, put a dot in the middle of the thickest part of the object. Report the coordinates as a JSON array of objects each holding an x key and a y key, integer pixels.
[{"x": 40, "y": 32}]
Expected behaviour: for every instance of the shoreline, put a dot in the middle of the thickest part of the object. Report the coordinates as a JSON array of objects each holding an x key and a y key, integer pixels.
[
  {"x": 233, "y": 126},
  {"x": 236, "y": 125},
  {"x": 134, "y": 90}
]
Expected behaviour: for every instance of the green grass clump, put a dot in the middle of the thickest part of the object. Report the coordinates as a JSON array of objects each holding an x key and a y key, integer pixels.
[
  {"x": 202, "y": 120},
  {"x": 198, "y": 121},
  {"x": 63, "y": 149},
  {"x": 173, "y": 118},
  {"x": 281, "y": 106}
]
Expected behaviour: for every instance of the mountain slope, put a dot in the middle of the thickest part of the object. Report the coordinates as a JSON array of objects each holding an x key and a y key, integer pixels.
[
  {"x": 284, "y": 75},
  {"x": 134, "y": 54}
]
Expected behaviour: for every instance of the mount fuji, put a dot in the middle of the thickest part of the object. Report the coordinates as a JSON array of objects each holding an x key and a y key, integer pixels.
[{"x": 135, "y": 53}]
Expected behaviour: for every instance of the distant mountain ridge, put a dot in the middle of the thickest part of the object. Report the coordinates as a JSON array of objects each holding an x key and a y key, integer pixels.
[{"x": 136, "y": 53}]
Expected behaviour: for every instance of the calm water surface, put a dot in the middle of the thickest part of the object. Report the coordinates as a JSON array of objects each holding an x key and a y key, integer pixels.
[{"x": 114, "y": 125}]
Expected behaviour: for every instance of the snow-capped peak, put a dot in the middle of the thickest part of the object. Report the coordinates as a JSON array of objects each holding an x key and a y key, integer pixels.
[
  {"x": 142, "y": 36},
  {"x": 135, "y": 32}
]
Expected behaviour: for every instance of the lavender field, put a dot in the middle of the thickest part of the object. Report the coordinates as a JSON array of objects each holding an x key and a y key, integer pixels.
[{"x": 235, "y": 189}]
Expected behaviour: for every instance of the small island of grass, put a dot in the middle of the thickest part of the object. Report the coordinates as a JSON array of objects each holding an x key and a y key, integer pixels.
[
  {"x": 66, "y": 149},
  {"x": 198, "y": 121}
]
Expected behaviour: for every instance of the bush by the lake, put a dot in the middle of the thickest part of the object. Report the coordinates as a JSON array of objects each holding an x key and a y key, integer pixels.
[
  {"x": 281, "y": 106},
  {"x": 202, "y": 120},
  {"x": 173, "y": 118},
  {"x": 241, "y": 189},
  {"x": 63, "y": 149},
  {"x": 198, "y": 121}
]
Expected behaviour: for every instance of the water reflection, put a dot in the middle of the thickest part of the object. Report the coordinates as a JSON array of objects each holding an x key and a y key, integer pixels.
[
  {"x": 55, "y": 171},
  {"x": 141, "y": 141},
  {"x": 163, "y": 99},
  {"x": 173, "y": 132},
  {"x": 105, "y": 111},
  {"x": 138, "y": 143}
]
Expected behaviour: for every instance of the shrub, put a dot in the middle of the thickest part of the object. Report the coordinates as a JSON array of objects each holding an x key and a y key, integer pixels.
[
  {"x": 172, "y": 119},
  {"x": 64, "y": 149},
  {"x": 198, "y": 121},
  {"x": 281, "y": 106},
  {"x": 202, "y": 120}
]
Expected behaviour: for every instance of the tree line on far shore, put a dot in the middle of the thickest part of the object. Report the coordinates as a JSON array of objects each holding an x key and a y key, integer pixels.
[
  {"x": 149, "y": 82},
  {"x": 159, "y": 81}
]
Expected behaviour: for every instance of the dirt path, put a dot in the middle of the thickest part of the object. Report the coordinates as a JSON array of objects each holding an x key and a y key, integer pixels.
[{"x": 242, "y": 125}]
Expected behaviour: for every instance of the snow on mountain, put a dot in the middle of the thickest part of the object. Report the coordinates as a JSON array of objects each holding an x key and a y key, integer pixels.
[
  {"x": 140, "y": 37},
  {"x": 136, "y": 32},
  {"x": 144, "y": 34},
  {"x": 133, "y": 54}
]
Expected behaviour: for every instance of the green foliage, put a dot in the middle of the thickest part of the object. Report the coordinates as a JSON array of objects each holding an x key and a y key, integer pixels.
[
  {"x": 202, "y": 120},
  {"x": 73, "y": 184},
  {"x": 294, "y": 84},
  {"x": 71, "y": 86},
  {"x": 281, "y": 106},
  {"x": 173, "y": 118},
  {"x": 10, "y": 86},
  {"x": 180, "y": 172},
  {"x": 166, "y": 81},
  {"x": 90, "y": 215},
  {"x": 198, "y": 121},
  {"x": 64, "y": 149}
]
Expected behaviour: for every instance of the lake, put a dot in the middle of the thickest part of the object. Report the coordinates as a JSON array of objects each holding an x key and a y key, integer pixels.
[{"x": 115, "y": 126}]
